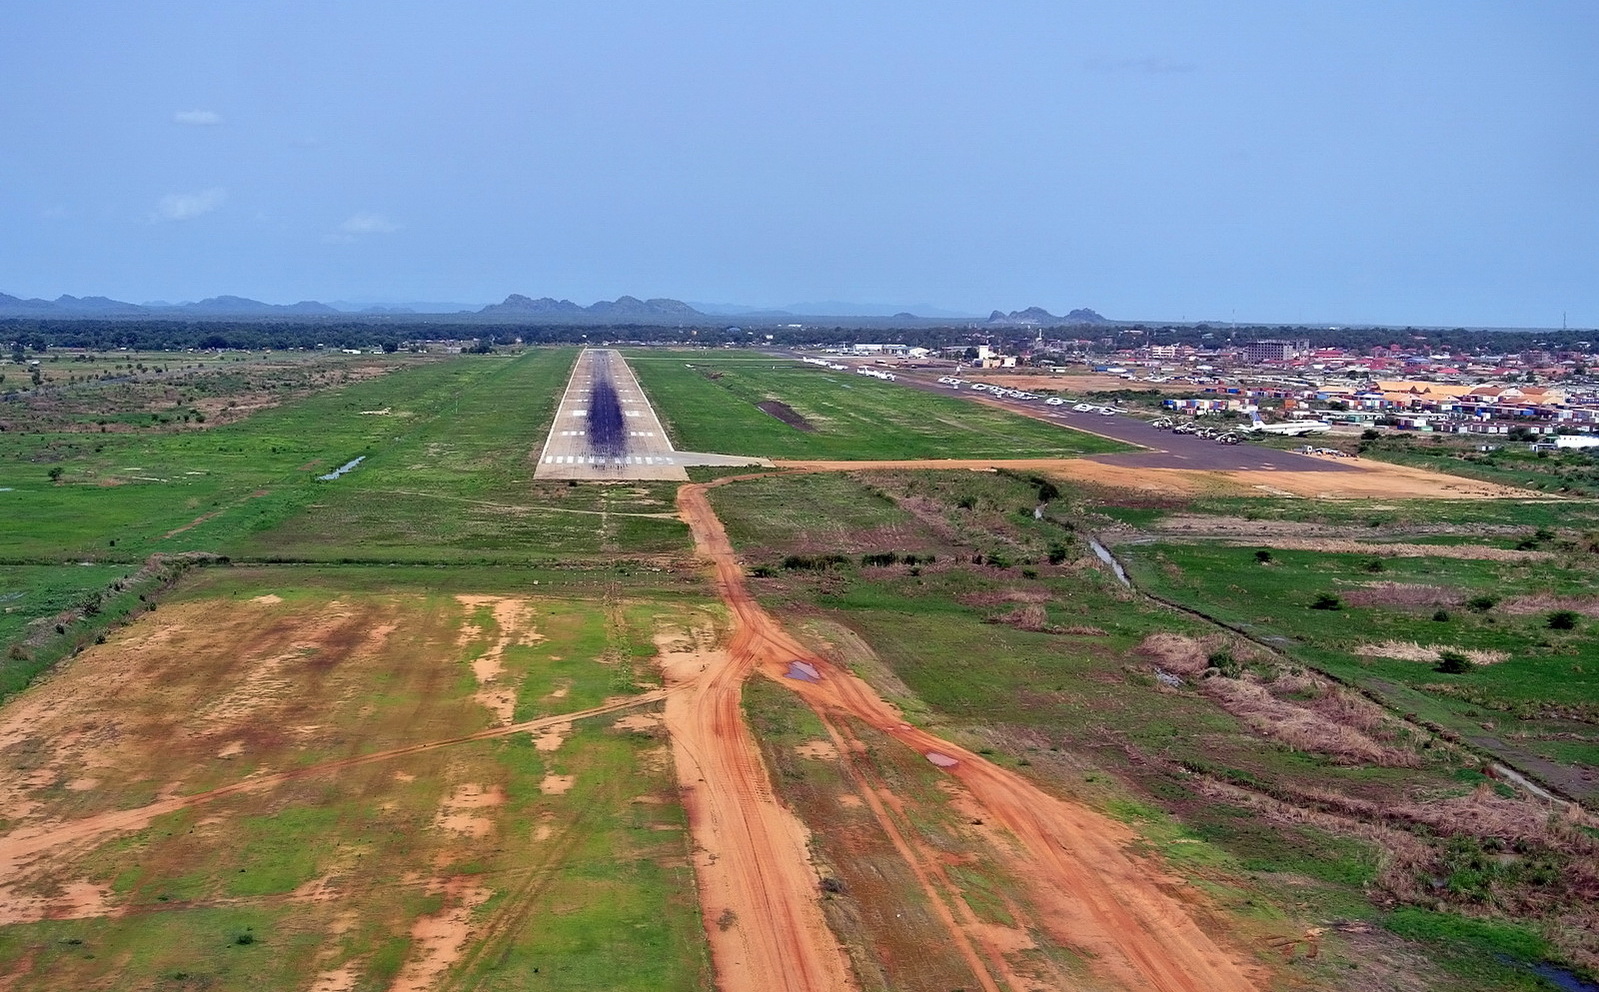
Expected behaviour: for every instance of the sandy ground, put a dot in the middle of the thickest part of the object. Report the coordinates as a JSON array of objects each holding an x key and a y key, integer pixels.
[
  {"x": 1092, "y": 893},
  {"x": 758, "y": 891},
  {"x": 1364, "y": 480}
]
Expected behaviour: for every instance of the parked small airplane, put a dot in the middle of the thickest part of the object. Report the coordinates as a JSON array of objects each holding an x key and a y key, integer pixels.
[{"x": 1293, "y": 428}]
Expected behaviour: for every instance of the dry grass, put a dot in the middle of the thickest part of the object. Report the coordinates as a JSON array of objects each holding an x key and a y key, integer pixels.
[
  {"x": 1430, "y": 654},
  {"x": 1030, "y": 616},
  {"x": 1179, "y": 654},
  {"x": 1000, "y": 596},
  {"x": 1408, "y": 860},
  {"x": 1402, "y": 594},
  {"x": 1303, "y": 728},
  {"x": 1467, "y": 552},
  {"x": 1544, "y": 602},
  {"x": 1321, "y": 718}
]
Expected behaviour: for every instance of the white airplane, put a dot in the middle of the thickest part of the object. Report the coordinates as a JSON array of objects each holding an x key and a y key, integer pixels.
[{"x": 1294, "y": 428}]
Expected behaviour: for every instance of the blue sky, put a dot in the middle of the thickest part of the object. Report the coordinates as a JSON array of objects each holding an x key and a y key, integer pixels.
[{"x": 1421, "y": 162}]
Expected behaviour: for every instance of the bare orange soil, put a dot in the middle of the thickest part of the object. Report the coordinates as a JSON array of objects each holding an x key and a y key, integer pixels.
[
  {"x": 1366, "y": 480},
  {"x": 1091, "y": 893},
  {"x": 758, "y": 892}
]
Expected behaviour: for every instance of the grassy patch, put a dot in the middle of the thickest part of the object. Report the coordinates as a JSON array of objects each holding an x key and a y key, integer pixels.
[{"x": 708, "y": 403}]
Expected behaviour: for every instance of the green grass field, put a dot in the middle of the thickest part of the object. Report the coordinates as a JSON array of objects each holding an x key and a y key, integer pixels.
[
  {"x": 707, "y": 401},
  {"x": 1546, "y": 687}
]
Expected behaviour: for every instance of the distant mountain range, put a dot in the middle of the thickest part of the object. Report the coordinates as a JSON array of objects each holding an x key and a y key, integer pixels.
[
  {"x": 623, "y": 310},
  {"x": 1043, "y": 318},
  {"x": 100, "y": 306}
]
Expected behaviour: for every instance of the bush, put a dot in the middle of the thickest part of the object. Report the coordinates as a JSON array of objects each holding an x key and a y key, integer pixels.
[
  {"x": 1224, "y": 662},
  {"x": 1374, "y": 565},
  {"x": 1481, "y": 604},
  {"x": 1058, "y": 553},
  {"x": 1452, "y": 663},
  {"x": 1327, "y": 601},
  {"x": 1563, "y": 620},
  {"x": 1263, "y": 556},
  {"x": 1442, "y": 616}
]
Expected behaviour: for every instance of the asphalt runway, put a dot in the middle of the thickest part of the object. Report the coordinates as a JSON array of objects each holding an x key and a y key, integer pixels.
[{"x": 606, "y": 430}]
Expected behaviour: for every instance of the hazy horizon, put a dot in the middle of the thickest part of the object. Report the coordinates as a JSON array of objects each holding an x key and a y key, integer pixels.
[{"x": 1349, "y": 164}]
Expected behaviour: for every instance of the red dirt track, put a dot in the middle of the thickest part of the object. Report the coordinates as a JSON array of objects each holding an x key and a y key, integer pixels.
[{"x": 1090, "y": 892}]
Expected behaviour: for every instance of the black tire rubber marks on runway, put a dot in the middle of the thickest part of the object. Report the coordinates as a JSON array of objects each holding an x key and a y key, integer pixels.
[{"x": 607, "y": 426}]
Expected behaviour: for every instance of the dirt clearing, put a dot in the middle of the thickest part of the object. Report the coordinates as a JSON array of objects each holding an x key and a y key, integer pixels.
[{"x": 787, "y": 414}]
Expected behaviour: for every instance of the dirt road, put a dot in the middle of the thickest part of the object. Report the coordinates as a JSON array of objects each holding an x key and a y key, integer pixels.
[
  {"x": 758, "y": 892},
  {"x": 1092, "y": 893}
]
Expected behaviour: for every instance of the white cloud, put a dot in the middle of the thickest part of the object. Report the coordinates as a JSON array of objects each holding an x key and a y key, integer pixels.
[
  {"x": 187, "y": 206},
  {"x": 197, "y": 118},
  {"x": 360, "y": 225}
]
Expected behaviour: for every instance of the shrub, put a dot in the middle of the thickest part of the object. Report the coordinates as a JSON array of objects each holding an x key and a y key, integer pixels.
[
  {"x": 1452, "y": 663},
  {"x": 1224, "y": 662},
  {"x": 1327, "y": 601},
  {"x": 1563, "y": 620},
  {"x": 1442, "y": 616},
  {"x": 1374, "y": 565},
  {"x": 1058, "y": 553},
  {"x": 1481, "y": 604},
  {"x": 1263, "y": 556}
]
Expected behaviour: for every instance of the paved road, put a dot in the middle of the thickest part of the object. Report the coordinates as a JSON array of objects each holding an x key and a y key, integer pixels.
[{"x": 1167, "y": 450}]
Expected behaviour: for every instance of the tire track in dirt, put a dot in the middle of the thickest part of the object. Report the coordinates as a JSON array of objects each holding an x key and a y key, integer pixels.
[
  {"x": 497, "y": 934},
  {"x": 22, "y": 844},
  {"x": 1090, "y": 892},
  {"x": 944, "y": 897}
]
